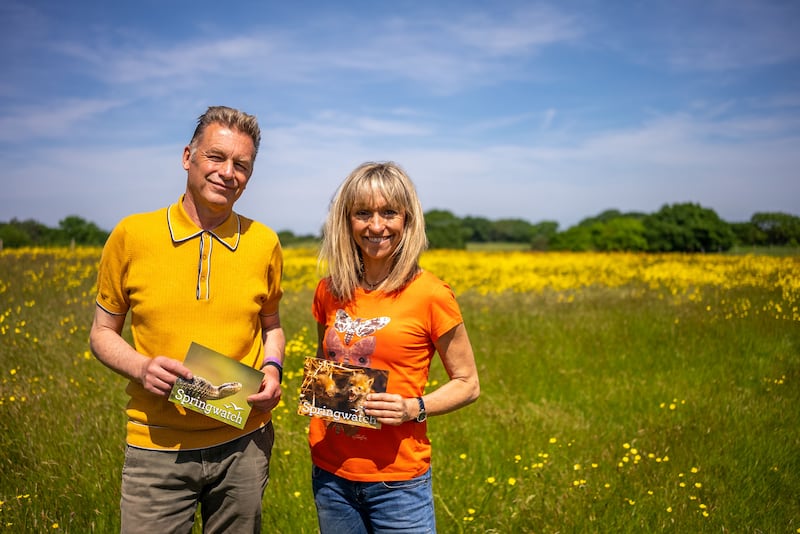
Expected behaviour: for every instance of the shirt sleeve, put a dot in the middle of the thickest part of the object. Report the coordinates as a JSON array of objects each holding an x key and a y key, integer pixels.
[
  {"x": 112, "y": 274},
  {"x": 274, "y": 277},
  {"x": 318, "y": 306},
  {"x": 445, "y": 311}
]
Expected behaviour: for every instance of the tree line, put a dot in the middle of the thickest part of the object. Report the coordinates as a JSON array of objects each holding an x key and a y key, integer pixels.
[
  {"x": 683, "y": 227},
  {"x": 71, "y": 230}
]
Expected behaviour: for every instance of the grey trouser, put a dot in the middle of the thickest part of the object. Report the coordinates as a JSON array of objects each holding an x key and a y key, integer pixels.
[{"x": 161, "y": 489}]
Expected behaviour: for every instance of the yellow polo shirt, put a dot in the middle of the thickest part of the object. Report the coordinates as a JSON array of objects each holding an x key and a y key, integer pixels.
[{"x": 182, "y": 284}]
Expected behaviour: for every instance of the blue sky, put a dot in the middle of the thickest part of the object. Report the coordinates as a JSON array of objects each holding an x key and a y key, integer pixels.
[{"x": 532, "y": 110}]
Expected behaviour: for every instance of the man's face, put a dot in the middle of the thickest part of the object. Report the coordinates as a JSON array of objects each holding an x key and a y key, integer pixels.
[{"x": 218, "y": 168}]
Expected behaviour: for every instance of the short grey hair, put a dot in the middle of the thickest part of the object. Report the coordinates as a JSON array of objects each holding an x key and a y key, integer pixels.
[{"x": 231, "y": 118}]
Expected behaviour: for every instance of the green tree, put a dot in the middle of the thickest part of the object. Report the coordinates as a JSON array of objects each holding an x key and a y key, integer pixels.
[
  {"x": 13, "y": 236},
  {"x": 611, "y": 230},
  {"x": 445, "y": 230},
  {"x": 687, "y": 227},
  {"x": 777, "y": 228},
  {"x": 620, "y": 233},
  {"x": 480, "y": 229},
  {"x": 542, "y": 233},
  {"x": 576, "y": 238},
  {"x": 28, "y": 233},
  {"x": 602, "y": 217},
  {"x": 748, "y": 234},
  {"x": 511, "y": 231},
  {"x": 79, "y": 231},
  {"x": 289, "y": 238}
]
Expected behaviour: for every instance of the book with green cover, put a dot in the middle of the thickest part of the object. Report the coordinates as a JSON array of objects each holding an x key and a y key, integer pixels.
[
  {"x": 336, "y": 392},
  {"x": 219, "y": 387}
]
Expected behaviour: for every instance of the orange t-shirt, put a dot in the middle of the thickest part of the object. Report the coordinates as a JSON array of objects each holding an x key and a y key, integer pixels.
[{"x": 417, "y": 316}]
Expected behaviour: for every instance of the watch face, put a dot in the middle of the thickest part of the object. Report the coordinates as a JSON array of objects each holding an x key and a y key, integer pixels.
[{"x": 421, "y": 417}]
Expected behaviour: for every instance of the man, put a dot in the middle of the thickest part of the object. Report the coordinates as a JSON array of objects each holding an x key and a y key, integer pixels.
[{"x": 195, "y": 271}]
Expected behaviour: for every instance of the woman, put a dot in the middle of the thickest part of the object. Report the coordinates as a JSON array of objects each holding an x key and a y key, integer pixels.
[{"x": 377, "y": 308}]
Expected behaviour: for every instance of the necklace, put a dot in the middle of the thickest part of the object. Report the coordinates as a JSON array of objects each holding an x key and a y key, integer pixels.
[{"x": 371, "y": 287}]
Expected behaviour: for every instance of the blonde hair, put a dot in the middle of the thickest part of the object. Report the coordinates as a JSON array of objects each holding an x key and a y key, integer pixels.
[{"x": 339, "y": 255}]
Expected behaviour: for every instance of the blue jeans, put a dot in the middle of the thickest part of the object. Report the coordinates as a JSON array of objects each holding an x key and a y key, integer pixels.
[{"x": 344, "y": 506}]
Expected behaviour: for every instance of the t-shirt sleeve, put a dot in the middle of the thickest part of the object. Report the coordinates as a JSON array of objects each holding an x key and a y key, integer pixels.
[
  {"x": 445, "y": 311},
  {"x": 112, "y": 273},
  {"x": 274, "y": 276},
  {"x": 318, "y": 306}
]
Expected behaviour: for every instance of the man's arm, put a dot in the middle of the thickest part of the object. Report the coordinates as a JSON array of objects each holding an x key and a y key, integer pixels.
[
  {"x": 156, "y": 375},
  {"x": 274, "y": 340}
]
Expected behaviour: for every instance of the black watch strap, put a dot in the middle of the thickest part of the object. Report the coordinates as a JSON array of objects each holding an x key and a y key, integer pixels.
[{"x": 422, "y": 413}]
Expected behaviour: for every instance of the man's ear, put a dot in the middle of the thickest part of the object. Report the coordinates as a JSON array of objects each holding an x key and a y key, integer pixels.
[{"x": 187, "y": 157}]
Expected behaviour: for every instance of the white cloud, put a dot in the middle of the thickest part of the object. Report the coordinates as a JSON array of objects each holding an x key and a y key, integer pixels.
[
  {"x": 473, "y": 102},
  {"x": 51, "y": 120}
]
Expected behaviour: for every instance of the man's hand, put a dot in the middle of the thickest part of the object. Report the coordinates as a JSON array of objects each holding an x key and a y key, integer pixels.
[
  {"x": 158, "y": 374},
  {"x": 269, "y": 395}
]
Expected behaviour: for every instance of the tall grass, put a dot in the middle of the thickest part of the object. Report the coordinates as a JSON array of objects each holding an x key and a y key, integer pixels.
[{"x": 624, "y": 407}]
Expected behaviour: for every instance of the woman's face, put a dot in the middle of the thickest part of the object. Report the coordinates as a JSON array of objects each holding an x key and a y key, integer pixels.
[{"x": 377, "y": 228}]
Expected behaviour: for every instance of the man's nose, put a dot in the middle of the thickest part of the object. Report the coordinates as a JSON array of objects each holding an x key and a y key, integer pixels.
[{"x": 227, "y": 170}]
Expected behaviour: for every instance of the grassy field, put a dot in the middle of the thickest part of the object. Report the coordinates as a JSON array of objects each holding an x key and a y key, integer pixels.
[{"x": 620, "y": 393}]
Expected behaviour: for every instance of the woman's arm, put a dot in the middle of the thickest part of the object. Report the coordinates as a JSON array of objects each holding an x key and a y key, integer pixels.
[{"x": 463, "y": 387}]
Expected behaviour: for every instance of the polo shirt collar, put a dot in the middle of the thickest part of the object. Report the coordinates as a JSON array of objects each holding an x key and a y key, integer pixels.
[{"x": 182, "y": 228}]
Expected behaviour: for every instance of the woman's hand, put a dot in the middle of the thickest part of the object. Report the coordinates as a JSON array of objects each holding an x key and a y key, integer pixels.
[{"x": 390, "y": 408}]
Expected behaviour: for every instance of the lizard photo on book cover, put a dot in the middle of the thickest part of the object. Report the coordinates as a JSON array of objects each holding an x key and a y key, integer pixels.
[
  {"x": 336, "y": 392},
  {"x": 219, "y": 388}
]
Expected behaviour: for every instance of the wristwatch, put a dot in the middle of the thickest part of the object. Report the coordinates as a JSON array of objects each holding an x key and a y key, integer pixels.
[{"x": 422, "y": 415}]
